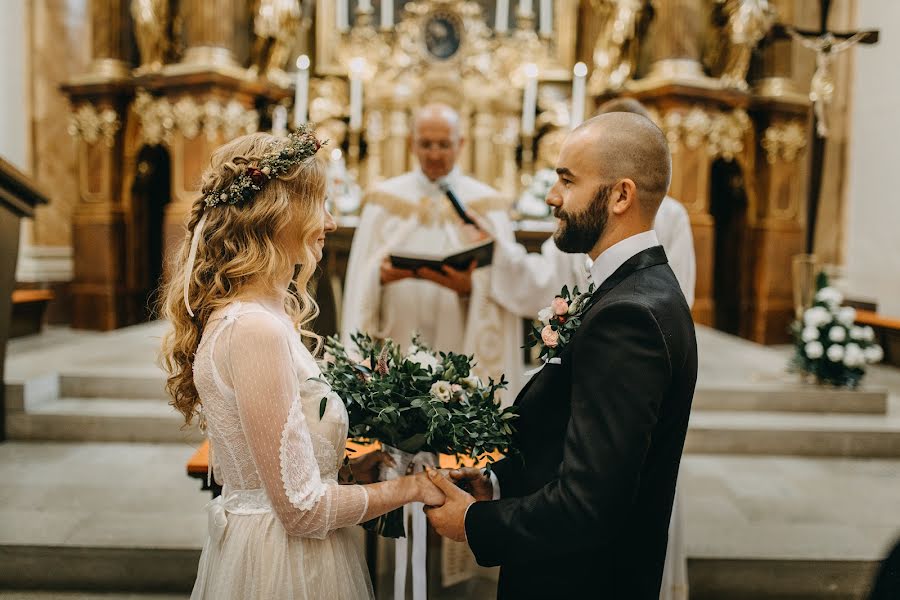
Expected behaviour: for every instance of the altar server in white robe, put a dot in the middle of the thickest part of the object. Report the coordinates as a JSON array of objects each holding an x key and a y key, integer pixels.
[
  {"x": 524, "y": 283},
  {"x": 453, "y": 310}
]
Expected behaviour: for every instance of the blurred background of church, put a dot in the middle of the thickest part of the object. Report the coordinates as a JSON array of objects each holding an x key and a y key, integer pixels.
[{"x": 110, "y": 107}]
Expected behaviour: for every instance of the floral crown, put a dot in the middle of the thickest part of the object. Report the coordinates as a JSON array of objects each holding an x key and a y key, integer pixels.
[{"x": 300, "y": 145}]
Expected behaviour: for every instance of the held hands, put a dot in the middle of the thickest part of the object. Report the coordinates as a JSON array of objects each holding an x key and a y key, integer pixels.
[
  {"x": 449, "y": 520},
  {"x": 426, "y": 491},
  {"x": 474, "y": 481}
]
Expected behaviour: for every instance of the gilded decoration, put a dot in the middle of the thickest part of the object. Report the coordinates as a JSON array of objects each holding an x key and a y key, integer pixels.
[
  {"x": 91, "y": 125},
  {"x": 275, "y": 26},
  {"x": 784, "y": 142},
  {"x": 722, "y": 134},
  {"x": 746, "y": 23},
  {"x": 161, "y": 119},
  {"x": 616, "y": 49}
]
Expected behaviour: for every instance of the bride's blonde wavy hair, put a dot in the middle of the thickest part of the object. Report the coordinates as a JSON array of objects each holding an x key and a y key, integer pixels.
[{"x": 238, "y": 248}]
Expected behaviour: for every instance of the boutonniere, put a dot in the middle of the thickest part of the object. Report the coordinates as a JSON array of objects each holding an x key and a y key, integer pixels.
[{"x": 559, "y": 321}]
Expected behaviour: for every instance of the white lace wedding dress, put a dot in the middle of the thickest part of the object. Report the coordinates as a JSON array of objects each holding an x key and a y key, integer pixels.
[{"x": 279, "y": 528}]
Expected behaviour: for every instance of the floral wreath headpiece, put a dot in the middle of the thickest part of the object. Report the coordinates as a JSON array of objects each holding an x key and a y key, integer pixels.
[{"x": 301, "y": 145}]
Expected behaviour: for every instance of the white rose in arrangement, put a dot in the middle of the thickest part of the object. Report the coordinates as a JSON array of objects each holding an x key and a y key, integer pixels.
[
  {"x": 873, "y": 354},
  {"x": 810, "y": 334},
  {"x": 847, "y": 315},
  {"x": 442, "y": 390},
  {"x": 817, "y": 316},
  {"x": 857, "y": 333},
  {"x": 837, "y": 334},
  {"x": 853, "y": 355},
  {"x": 830, "y": 295},
  {"x": 868, "y": 333},
  {"x": 545, "y": 314},
  {"x": 814, "y": 350},
  {"x": 835, "y": 353},
  {"x": 473, "y": 382},
  {"x": 424, "y": 359}
]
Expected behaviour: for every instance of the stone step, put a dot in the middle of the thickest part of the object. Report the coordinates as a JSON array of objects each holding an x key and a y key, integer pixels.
[
  {"x": 101, "y": 420},
  {"x": 772, "y": 433},
  {"x": 771, "y": 397}
]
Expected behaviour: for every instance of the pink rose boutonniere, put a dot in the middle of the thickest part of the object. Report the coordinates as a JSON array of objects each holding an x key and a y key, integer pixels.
[{"x": 559, "y": 321}]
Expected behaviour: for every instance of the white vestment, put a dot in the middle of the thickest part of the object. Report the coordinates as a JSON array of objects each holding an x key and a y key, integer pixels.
[
  {"x": 409, "y": 213},
  {"x": 525, "y": 282}
]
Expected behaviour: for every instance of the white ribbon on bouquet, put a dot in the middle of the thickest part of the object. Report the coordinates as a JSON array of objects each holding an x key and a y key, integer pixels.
[{"x": 415, "y": 463}]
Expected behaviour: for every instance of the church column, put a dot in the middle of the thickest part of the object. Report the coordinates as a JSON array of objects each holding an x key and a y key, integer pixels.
[
  {"x": 675, "y": 40},
  {"x": 210, "y": 32},
  {"x": 110, "y": 38}
]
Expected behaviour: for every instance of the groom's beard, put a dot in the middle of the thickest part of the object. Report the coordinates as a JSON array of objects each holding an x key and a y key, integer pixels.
[{"x": 580, "y": 232}]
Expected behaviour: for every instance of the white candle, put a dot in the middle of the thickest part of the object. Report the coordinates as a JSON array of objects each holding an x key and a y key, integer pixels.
[
  {"x": 580, "y": 71},
  {"x": 501, "y": 18},
  {"x": 529, "y": 102},
  {"x": 387, "y": 14},
  {"x": 301, "y": 92},
  {"x": 342, "y": 15},
  {"x": 279, "y": 121},
  {"x": 357, "y": 66},
  {"x": 546, "y": 17},
  {"x": 525, "y": 7}
]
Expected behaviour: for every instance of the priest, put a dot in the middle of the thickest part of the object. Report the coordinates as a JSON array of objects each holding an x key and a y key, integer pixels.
[{"x": 451, "y": 310}]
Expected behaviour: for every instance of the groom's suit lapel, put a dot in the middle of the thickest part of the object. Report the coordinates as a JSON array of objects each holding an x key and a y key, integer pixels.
[{"x": 642, "y": 260}]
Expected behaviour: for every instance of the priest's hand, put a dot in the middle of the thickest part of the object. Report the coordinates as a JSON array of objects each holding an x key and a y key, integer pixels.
[
  {"x": 474, "y": 481},
  {"x": 452, "y": 279},
  {"x": 390, "y": 274},
  {"x": 450, "y": 519}
]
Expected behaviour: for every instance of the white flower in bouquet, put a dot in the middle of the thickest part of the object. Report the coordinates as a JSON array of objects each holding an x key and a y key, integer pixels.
[
  {"x": 830, "y": 296},
  {"x": 473, "y": 382},
  {"x": 545, "y": 315},
  {"x": 814, "y": 350},
  {"x": 857, "y": 333},
  {"x": 532, "y": 202},
  {"x": 442, "y": 390},
  {"x": 424, "y": 359},
  {"x": 868, "y": 334},
  {"x": 817, "y": 316},
  {"x": 835, "y": 353},
  {"x": 847, "y": 315},
  {"x": 873, "y": 354},
  {"x": 837, "y": 334},
  {"x": 853, "y": 355},
  {"x": 810, "y": 334}
]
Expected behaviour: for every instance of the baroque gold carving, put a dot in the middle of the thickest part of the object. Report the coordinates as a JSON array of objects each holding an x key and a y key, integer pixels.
[
  {"x": 746, "y": 23},
  {"x": 275, "y": 25},
  {"x": 616, "y": 48},
  {"x": 161, "y": 119},
  {"x": 722, "y": 133},
  {"x": 90, "y": 125},
  {"x": 153, "y": 31},
  {"x": 784, "y": 142}
]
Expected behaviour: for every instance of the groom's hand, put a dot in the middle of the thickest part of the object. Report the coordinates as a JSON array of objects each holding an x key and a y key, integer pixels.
[
  {"x": 474, "y": 481},
  {"x": 449, "y": 520}
]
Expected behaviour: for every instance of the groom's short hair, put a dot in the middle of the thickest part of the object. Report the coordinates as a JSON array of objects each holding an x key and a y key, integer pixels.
[{"x": 628, "y": 145}]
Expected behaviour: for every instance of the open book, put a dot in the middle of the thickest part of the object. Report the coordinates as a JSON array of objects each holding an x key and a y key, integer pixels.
[{"x": 482, "y": 253}]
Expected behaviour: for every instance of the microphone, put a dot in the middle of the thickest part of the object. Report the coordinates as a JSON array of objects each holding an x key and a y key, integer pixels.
[{"x": 454, "y": 201}]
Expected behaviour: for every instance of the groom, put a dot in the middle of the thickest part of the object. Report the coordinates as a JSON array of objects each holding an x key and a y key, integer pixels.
[{"x": 583, "y": 509}]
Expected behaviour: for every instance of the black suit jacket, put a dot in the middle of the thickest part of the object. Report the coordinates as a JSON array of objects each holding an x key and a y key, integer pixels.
[{"x": 585, "y": 507}]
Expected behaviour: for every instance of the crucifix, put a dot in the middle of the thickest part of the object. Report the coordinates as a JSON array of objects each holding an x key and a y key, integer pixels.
[{"x": 827, "y": 45}]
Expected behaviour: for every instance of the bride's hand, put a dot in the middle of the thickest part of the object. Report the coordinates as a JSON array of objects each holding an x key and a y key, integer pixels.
[{"x": 427, "y": 493}]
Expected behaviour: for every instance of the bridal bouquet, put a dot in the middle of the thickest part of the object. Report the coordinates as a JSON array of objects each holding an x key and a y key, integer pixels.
[
  {"x": 418, "y": 401},
  {"x": 829, "y": 346}
]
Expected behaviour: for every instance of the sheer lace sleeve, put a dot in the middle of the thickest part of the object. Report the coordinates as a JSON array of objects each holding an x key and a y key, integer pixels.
[{"x": 263, "y": 376}]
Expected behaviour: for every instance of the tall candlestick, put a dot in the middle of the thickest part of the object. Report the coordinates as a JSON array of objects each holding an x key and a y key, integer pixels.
[
  {"x": 357, "y": 66},
  {"x": 525, "y": 7},
  {"x": 529, "y": 102},
  {"x": 387, "y": 14},
  {"x": 342, "y": 15},
  {"x": 301, "y": 92},
  {"x": 546, "y": 27},
  {"x": 501, "y": 18},
  {"x": 580, "y": 71},
  {"x": 279, "y": 121}
]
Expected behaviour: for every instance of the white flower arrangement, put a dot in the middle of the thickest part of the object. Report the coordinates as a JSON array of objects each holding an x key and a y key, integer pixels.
[
  {"x": 828, "y": 344},
  {"x": 532, "y": 203}
]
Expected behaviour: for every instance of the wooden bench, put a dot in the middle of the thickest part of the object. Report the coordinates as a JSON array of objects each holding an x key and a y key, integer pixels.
[
  {"x": 887, "y": 333},
  {"x": 28, "y": 307}
]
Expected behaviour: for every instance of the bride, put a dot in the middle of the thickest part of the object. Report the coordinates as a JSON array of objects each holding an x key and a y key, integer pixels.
[{"x": 236, "y": 361}]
